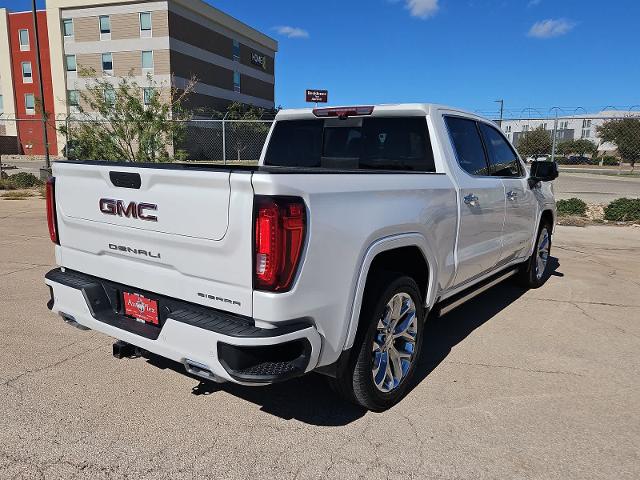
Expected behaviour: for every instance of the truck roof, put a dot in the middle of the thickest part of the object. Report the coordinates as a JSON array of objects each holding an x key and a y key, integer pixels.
[{"x": 389, "y": 109}]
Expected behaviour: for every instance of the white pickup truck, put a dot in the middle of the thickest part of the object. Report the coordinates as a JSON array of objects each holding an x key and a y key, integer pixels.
[{"x": 327, "y": 256}]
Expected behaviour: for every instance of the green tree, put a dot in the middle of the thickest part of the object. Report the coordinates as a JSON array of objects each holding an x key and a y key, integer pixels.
[
  {"x": 128, "y": 122},
  {"x": 579, "y": 147},
  {"x": 245, "y": 130},
  {"x": 625, "y": 134},
  {"x": 534, "y": 143}
]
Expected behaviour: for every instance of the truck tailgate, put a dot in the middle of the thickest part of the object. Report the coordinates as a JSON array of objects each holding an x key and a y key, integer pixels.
[{"x": 180, "y": 232}]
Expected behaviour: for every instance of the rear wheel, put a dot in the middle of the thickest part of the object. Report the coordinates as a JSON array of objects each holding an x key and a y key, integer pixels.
[
  {"x": 535, "y": 271},
  {"x": 387, "y": 347}
]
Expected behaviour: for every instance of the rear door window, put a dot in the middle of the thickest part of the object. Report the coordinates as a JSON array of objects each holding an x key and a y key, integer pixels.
[
  {"x": 357, "y": 143},
  {"x": 468, "y": 145},
  {"x": 503, "y": 160}
]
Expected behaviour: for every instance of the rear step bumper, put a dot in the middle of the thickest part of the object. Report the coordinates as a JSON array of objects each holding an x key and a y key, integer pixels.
[{"x": 211, "y": 344}]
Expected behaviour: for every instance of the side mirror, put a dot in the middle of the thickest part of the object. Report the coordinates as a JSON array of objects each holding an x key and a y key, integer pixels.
[{"x": 542, "y": 171}]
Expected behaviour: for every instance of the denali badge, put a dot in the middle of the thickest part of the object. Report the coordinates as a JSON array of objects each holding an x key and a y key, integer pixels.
[
  {"x": 135, "y": 251},
  {"x": 132, "y": 209}
]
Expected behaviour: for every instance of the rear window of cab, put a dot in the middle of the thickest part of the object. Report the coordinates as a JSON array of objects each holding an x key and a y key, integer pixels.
[{"x": 355, "y": 143}]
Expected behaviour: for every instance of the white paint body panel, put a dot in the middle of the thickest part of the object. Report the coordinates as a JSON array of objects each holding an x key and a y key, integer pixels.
[
  {"x": 198, "y": 251},
  {"x": 205, "y": 228},
  {"x": 178, "y": 341}
]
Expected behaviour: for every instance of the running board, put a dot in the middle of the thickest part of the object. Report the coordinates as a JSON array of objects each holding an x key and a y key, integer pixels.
[{"x": 454, "y": 302}]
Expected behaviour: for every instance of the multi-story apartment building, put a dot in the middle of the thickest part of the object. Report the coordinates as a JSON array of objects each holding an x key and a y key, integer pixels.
[
  {"x": 569, "y": 127},
  {"x": 19, "y": 82},
  {"x": 7, "y": 105},
  {"x": 171, "y": 40}
]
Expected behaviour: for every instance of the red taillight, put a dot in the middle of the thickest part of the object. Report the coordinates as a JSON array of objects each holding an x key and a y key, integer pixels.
[
  {"x": 52, "y": 222},
  {"x": 280, "y": 224},
  {"x": 343, "y": 112}
]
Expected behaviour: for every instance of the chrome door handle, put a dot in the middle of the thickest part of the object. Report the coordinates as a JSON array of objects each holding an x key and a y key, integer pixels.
[
  {"x": 512, "y": 196},
  {"x": 471, "y": 199}
]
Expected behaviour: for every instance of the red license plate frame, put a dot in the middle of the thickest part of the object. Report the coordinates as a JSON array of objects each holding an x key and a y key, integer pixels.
[{"x": 140, "y": 307}]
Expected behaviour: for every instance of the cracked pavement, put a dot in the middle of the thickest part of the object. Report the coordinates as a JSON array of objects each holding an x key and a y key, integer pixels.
[{"x": 539, "y": 384}]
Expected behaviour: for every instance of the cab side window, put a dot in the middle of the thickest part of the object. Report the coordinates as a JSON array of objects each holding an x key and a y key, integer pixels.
[
  {"x": 502, "y": 158},
  {"x": 468, "y": 145}
]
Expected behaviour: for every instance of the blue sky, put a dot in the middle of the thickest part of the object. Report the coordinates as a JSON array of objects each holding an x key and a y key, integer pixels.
[{"x": 467, "y": 53}]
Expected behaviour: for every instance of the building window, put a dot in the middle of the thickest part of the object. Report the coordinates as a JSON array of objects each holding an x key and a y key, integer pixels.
[
  {"x": 147, "y": 59},
  {"x": 27, "y": 74},
  {"x": 236, "y": 81},
  {"x": 23, "y": 37},
  {"x": 586, "y": 133},
  {"x": 74, "y": 98},
  {"x": 236, "y": 50},
  {"x": 110, "y": 96},
  {"x": 107, "y": 62},
  {"x": 30, "y": 104},
  {"x": 67, "y": 27},
  {"x": 105, "y": 25},
  {"x": 70, "y": 63},
  {"x": 525, "y": 128},
  {"x": 508, "y": 128},
  {"x": 145, "y": 24},
  {"x": 148, "y": 93}
]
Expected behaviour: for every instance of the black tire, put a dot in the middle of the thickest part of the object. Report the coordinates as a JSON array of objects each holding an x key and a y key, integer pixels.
[
  {"x": 355, "y": 381},
  {"x": 529, "y": 275}
]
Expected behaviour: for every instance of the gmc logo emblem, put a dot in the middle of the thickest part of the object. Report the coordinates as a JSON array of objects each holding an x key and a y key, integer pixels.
[{"x": 109, "y": 206}]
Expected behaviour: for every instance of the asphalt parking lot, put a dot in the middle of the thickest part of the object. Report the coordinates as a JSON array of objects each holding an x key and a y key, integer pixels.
[
  {"x": 538, "y": 384},
  {"x": 596, "y": 188}
]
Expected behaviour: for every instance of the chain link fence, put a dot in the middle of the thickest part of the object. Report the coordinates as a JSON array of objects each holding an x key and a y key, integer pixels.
[
  {"x": 198, "y": 140},
  {"x": 607, "y": 139},
  {"x": 610, "y": 139},
  {"x": 224, "y": 140}
]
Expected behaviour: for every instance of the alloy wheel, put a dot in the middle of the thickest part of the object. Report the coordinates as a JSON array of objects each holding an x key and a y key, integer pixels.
[{"x": 394, "y": 342}]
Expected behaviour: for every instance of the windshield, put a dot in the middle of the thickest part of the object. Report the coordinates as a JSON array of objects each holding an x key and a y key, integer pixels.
[{"x": 371, "y": 143}]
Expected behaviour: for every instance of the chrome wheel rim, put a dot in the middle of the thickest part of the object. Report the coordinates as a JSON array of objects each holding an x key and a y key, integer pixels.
[
  {"x": 394, "y": 343},
  {"x": 542, "y": 254}
]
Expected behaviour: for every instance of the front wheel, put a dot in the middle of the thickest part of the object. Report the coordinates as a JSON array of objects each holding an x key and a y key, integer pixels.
[
  {"x": 387, "y": 347},
  {"x": 535, "y": 271}
]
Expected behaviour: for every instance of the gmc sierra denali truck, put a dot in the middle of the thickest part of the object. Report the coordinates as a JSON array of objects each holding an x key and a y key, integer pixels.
[{"x": 326, "y": 257}]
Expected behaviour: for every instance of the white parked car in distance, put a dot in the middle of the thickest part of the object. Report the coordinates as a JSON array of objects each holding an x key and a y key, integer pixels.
[{"x": 327, "y": 256}]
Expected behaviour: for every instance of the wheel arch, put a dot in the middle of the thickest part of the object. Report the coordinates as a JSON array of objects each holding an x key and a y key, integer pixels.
[
  {"x": 408, "y": 253},
  {"x": 548, "y": 214}
]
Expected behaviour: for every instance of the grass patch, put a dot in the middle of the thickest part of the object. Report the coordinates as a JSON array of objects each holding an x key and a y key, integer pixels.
[
  {"x": 15, "y": 196},
  {"x": 20, "y": 180},
  {"x": 571, "y": 207},
  {"x": 623, "y": 210}
]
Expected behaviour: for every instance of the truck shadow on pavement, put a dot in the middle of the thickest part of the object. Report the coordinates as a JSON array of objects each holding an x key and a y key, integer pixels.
[
  {"x": 444, "y": 333},
  {"x": 309, "y": 399}
]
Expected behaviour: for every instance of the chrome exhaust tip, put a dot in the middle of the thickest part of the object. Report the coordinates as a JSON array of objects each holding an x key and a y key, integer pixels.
[
  {"x": 201, "y": 370},
  {"x": 69, "y": 319}
]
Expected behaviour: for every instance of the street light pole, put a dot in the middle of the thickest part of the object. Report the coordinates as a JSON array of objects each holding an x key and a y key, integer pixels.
[
  {"x": 501, "y": 102},
  {"x": 45, "y": 137}
]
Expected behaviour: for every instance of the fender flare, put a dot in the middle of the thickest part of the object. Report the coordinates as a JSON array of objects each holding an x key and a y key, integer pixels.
[{"x": 412, "y": 239}]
